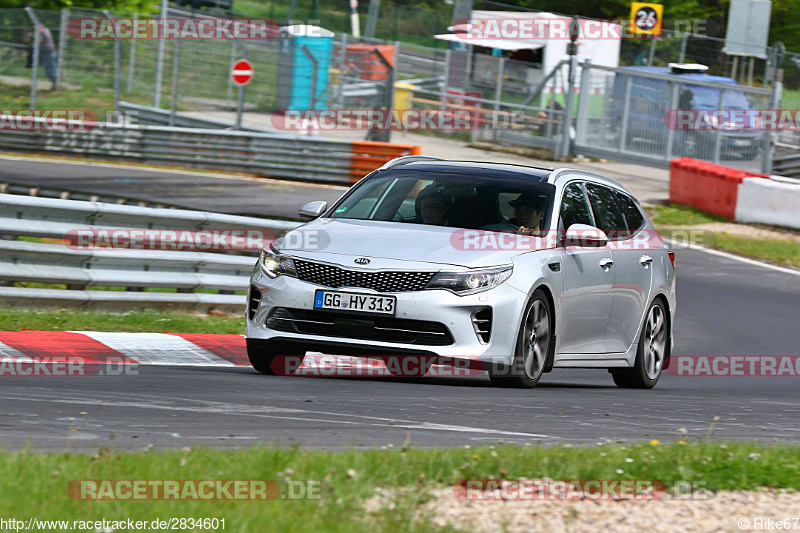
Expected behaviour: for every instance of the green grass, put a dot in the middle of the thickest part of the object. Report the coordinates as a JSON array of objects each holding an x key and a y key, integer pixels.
[
  {"x": 17, "y": 319},
  {"x": 782, "y": 252},
  {"x": 62, "y": 286},
  {"x": 775, "y": 251},
  {"x": 98, "y": 100},
  {"x": 678, "y": 215},
  {"x": 35, "y": 484}
]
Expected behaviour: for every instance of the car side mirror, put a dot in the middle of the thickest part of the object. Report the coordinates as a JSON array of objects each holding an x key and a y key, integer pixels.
[
  {"x": 585, "y": 236},
  {"x": 312, "y": 210}
]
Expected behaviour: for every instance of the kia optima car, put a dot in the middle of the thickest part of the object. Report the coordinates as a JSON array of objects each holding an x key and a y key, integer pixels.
[{"x": 518, "y": 269}]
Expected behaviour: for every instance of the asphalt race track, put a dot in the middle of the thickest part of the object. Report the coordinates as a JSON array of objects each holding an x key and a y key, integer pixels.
[
  {"x": 203, "y": 191},
  {"x": 726, "y": 307}
]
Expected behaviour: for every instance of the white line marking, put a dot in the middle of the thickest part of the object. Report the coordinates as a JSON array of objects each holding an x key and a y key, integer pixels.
[
  {"x": 228, "y": 409},
  {"x": 712, "y": 251}
]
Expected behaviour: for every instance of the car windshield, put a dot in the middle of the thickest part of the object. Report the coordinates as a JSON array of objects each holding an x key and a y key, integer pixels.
[
  {"x": 450, "y": 200},
  {"x": 708, "y": 97}
]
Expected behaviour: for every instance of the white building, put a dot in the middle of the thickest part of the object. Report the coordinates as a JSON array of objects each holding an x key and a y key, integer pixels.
[{"x": 599, "y": 41}]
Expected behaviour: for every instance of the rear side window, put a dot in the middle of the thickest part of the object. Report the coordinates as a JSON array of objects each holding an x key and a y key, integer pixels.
[
  {"x": 575, "y": 207},
  {"x": 606, "y": 211},
  {"x": 631, "y": 211}
]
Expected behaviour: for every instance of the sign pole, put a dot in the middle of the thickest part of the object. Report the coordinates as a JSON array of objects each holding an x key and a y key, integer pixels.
[
  {"x": 241, "y": 74},
  {"x": 240, "y": 108}
]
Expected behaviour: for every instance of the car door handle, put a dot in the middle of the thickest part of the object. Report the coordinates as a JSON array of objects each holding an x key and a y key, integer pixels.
[
  {"x": 606, "y": 262},
  {"x": 645, "y": 260}
]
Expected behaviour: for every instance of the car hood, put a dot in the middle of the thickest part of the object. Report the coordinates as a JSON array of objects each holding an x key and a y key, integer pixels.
[{"x": 338, "y": 240}]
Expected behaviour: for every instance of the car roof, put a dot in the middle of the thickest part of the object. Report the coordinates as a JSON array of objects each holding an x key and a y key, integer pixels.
[
  {"x": 665, "y": 71},
  {"x": 498, "y": 170},
  {"x": 478, "y": 168}
]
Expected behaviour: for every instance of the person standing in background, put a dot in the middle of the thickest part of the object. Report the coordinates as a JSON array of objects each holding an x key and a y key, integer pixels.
[{"x": 48, "y": 54}]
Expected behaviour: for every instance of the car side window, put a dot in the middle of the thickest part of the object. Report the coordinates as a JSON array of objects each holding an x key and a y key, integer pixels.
[
  {"x": 606, "y": 211},
  {"x": 633, "y": 215},
  {"x": 575, "y": 207}
]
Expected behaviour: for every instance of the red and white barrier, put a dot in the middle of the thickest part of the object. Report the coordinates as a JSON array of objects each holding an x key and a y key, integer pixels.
[
  {"x": 775, "y": 201},
  {"x": 734, "y": 193}
]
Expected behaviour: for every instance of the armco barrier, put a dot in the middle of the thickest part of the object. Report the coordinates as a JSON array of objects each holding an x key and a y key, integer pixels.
[
  {"x": 272, "y": 155},
  {"x": 706, "y": 186},
  {"x": 191, "y": 273},
  {"x": 734, "y": 193}
]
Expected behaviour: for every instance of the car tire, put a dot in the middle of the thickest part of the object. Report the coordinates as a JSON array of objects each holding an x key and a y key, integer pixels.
[
  {"x": 262, "y": 358},
  {"x": 532, "y": 348},
  {"x": 651, "y": 354}
]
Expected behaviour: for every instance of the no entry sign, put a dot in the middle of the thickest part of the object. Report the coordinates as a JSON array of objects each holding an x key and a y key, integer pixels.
[{"x": 242, "y": 72}]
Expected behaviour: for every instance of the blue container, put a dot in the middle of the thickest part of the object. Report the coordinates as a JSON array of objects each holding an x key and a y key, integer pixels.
[{"x": 297, "y": 76}]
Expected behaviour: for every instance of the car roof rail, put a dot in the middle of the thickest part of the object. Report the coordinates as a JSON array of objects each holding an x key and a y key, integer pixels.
[{"x": 409, "y": 159}]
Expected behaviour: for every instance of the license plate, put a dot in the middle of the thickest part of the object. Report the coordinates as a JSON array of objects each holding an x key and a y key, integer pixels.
[
  {"x": 349, "y": 301},
  {"x": 742, "y": 142}
]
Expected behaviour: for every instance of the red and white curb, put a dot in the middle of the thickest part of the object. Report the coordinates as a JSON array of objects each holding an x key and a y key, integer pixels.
[
  {"x": 166, "y": 349},
  {"x": 172, "y": 349}
]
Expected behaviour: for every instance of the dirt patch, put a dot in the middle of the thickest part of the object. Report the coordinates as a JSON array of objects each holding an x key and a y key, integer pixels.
[{"x": 720, "y": 513}]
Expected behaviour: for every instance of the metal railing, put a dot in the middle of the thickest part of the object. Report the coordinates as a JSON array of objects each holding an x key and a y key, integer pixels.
[
  {"x": 627, "y": 120},
  {"x": 29, "y": 254},
  {"x": 271, "y": 155},
  {"x": 161, "y": 117}
]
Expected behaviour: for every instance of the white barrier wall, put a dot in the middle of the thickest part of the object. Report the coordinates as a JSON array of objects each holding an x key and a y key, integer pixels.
[{"x": 774, "y": 201}]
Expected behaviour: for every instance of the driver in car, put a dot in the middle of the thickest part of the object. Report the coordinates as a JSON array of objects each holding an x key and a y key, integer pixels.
[
  {"x": 433, "y": 207},
  {"x": 528, "y": 211}
]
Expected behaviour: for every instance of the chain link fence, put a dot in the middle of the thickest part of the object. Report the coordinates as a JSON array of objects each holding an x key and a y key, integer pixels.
[{"x": 376, "y": 73}]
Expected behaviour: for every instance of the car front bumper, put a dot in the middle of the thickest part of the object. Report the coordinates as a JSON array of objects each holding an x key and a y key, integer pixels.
[{"x": 441, "y": 306}]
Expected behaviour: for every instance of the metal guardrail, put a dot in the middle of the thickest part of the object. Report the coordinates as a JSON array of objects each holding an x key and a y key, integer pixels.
[
  {"x": 161, "y": 117},
  {"x": 271, "y": 155},
  {"x": 787, "y": 165},
  {"x": 131, "y": 270}
]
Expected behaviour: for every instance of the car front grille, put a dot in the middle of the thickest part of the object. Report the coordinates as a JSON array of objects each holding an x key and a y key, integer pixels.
[
  {"x": 335, "y": 277},
  {"x": 385, "y": 329}
]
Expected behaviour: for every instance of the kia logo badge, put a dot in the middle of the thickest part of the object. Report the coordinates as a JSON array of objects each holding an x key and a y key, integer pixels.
[{"x": 362, "y": 261}]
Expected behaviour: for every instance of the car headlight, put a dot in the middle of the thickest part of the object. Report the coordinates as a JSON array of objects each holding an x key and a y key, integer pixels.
[
  {"x": 275, "y": 265},
  {"x": 470, "y": 282}
]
